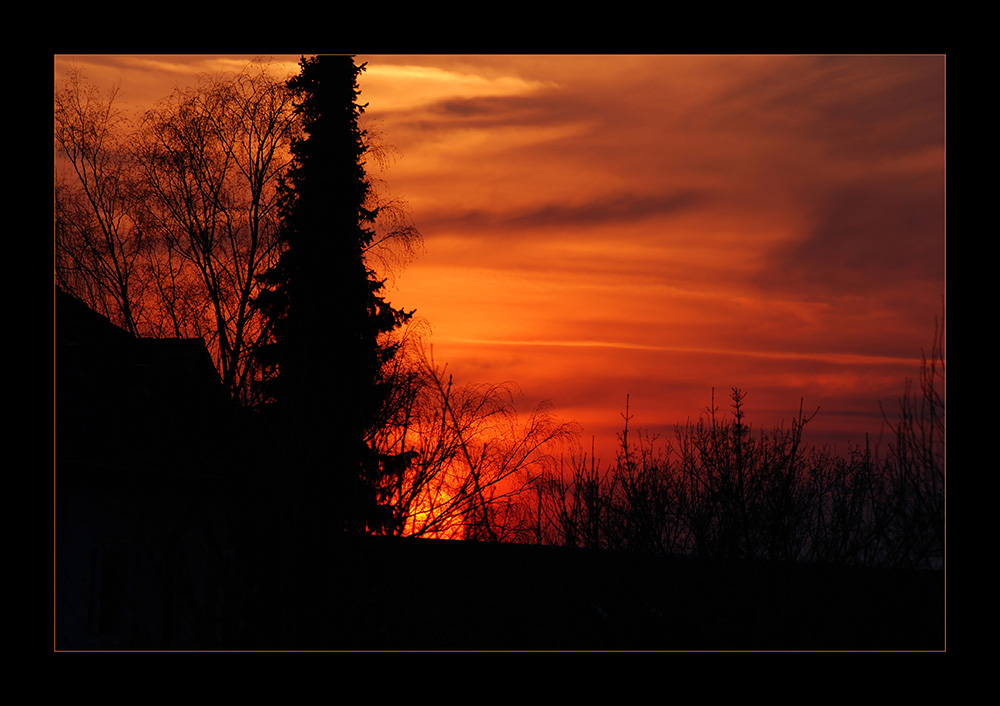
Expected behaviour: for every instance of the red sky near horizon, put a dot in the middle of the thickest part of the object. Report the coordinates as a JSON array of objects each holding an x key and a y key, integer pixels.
[{"x": 597, "y": 227}]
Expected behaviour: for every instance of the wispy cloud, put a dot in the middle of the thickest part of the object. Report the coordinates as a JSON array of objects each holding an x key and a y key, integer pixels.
[
  {"x": 761, "y": 220},
  {"x": 599, "y": 225},
  {"x": 848, "y": 359}
]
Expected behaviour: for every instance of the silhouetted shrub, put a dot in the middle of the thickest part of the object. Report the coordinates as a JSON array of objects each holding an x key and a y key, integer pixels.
[{"x": 721, "y": 490}]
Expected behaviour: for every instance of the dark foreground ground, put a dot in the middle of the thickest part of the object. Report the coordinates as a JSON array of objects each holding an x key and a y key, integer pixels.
[{"x": 427, "y": 594}]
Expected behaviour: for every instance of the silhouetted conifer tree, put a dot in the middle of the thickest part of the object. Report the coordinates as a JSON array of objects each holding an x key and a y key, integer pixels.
[{"x": 326, "y": 315}]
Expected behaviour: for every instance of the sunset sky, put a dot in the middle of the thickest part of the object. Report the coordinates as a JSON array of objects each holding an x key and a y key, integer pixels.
[{"x": 597, "y": 227}]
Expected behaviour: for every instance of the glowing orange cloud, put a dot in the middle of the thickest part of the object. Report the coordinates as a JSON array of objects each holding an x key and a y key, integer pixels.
[
  {"x": 657, "y": 227},
  {"x": 654, "y": 227}
]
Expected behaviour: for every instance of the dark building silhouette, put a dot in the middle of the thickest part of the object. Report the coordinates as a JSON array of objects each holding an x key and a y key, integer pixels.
[{"x": 146, "y": 461}]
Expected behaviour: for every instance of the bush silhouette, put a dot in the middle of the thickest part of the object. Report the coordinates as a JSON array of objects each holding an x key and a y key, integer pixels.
[{"x": 722, "y": 490}]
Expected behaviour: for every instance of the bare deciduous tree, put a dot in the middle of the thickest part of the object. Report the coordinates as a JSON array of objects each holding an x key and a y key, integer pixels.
[
  {"x": 102, "y": 251},
  {"x": 475, "y": 461},
  {"x": 212, "y": 157},
  {"x": 916, "y": 464},
  {"x": 164, "y": 223}
]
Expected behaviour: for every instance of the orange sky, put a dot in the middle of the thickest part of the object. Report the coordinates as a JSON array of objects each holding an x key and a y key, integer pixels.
[{"x": 656, "y": 226}]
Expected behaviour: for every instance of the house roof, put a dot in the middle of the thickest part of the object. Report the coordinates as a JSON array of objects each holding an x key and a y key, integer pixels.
[{"x": 132, "y": 403}]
